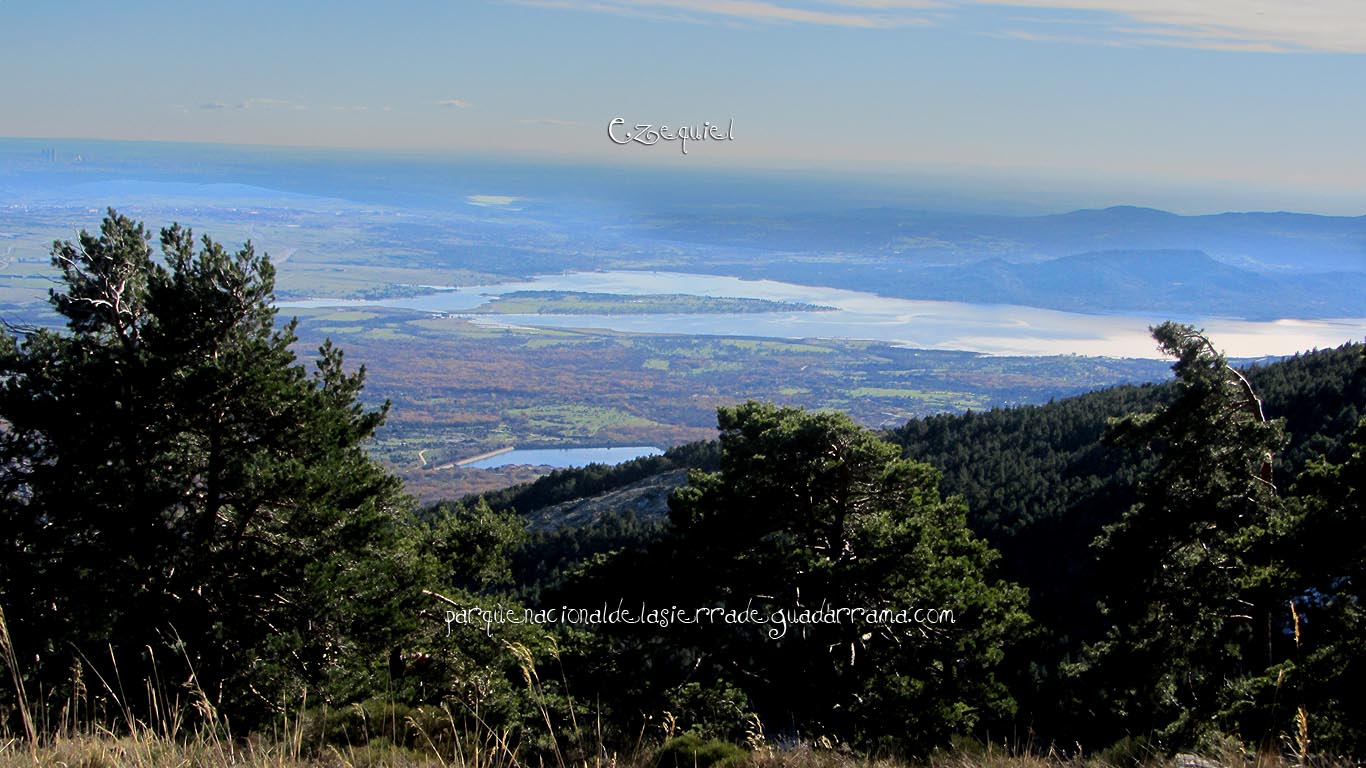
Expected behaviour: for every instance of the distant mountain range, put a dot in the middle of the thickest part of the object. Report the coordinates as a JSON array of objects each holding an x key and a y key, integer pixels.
[
  {"x": 1252, "y": 265},
  {"x": 808, "y": 230},
  {"x": 1176, "y": 281},
  {"x": 1264, "y": 242}
]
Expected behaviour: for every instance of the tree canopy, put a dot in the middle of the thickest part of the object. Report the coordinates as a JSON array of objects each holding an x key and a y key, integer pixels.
[
  {"x": 176, "y": 487},
  {"x": 1184, "y": 618},
  {"x": 809, "y": 509},
  {"x": 807, "y": 512}
]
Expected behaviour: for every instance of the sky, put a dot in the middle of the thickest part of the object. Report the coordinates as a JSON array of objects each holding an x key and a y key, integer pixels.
[{"x": 1256, "y": 100}]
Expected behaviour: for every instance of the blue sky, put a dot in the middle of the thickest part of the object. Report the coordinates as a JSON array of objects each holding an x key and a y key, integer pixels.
[{"x": 1232, "y": 95}]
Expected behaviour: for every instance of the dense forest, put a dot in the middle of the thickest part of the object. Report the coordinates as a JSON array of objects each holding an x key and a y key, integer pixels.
[
  {"x": 1041, "y": 484},
  {"x": 190, "y": 528}
]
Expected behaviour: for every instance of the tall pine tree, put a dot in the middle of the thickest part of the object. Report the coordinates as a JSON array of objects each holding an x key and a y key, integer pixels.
[
  {"x": 176, "y": 488},
  {"x": 809, "y": 510},
  {"x": 1188, "y": 616}
]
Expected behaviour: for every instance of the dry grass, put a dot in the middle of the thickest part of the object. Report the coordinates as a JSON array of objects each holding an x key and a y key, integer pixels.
[
  {"x": 75, "y": 738},
  {"x": 147, "y": 749}
]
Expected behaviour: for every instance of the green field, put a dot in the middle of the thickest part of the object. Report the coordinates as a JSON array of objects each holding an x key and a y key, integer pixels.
[{"x": 459, "y": 389}]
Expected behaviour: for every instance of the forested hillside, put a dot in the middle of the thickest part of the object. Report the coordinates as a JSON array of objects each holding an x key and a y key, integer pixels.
[
  {"x": 1040, "y": 483},
  {"x": 1042, "y": 473},
  {"x": 192, "y": 535}
]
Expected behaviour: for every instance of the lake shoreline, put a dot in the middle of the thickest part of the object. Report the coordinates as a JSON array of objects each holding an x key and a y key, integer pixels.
[{"x": 990, "y": 329}]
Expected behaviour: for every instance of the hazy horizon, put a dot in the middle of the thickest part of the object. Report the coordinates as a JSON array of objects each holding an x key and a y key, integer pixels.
[
  {"x": 1187, "y": 107},
  {"x": 970, "y": 190}
]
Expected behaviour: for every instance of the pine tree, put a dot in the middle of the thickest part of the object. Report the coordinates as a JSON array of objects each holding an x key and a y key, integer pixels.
[
  {"x": 1188, "y": 618},
  {"x": 174, "y": 483},
  {"x": 811, "y": 510}
]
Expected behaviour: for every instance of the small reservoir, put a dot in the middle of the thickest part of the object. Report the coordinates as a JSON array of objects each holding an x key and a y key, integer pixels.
[{"x": 565, "y": 457}]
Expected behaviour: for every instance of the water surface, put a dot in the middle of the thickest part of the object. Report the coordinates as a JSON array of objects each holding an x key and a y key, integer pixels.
[
  {"x": 1000, "y": 329},
  {"x": 565, "y": 457}
]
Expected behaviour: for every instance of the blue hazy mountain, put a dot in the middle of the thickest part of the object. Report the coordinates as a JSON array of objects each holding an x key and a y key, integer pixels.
[
  {"x": 1180, "y": 282},
  {"x": 1258, "y": 241},
  {"x": 823, "y": 230}
]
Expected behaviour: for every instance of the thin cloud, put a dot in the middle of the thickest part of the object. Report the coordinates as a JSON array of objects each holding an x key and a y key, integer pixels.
[
  {"x": 551, "y": 121},
  {"x": 1138, "y": 41},
  {"x": 255, "y": 103},
  {"x": 1327, "y": 26},
  {"x": 857, "y": 14},
  {"x": 609, "y": 7},
  {"x": 919, "y": 5},
  {"x": 267, "y": 103},
  {"x": 454, "y": 104}
]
